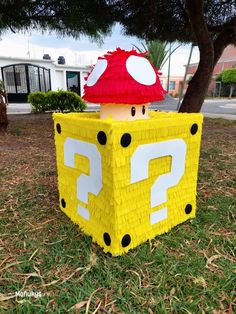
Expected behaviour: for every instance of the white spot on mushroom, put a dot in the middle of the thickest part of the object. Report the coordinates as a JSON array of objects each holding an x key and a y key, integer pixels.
[
  {"x": 97, "y": 72},
  {"x": 141, "y": 70}
]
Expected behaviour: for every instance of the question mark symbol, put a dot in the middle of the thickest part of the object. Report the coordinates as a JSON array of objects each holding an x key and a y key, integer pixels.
[
  {"x": 139, "y": 171},
  {"x": 85, "y": 183}
]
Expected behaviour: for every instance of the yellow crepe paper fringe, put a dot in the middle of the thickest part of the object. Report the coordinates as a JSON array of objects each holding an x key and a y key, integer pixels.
[{"x": 122, "y": 208}]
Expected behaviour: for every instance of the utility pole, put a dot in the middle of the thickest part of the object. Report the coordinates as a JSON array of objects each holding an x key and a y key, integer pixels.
[{"x": 168, "y": 77}]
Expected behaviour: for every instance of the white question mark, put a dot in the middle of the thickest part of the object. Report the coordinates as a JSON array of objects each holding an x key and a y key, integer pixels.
[
  {"x": 139, "y": 171},
  {"x": 85, "y": 183}
]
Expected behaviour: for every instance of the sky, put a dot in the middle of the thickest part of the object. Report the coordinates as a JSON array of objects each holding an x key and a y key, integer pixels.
[{"x": 83, "y": 51}]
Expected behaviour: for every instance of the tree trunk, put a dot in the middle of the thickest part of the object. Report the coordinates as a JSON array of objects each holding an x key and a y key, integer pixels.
[
  {"x": 231, "y": 91},
  {"x": 211, "y": 48},
  {"x": 198, "y": 86},
  {"x": 199, "y": 83},
  {"x": 3, "y": 115}
]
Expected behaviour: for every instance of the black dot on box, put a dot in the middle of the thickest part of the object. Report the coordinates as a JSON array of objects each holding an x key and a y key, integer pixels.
[
  {"x": 125, "y": 240},
  {"x": 188, "y": 209},
  {"x": 102, "y": 138},
  {"x": 107, "y": 238},
  {"x": 125, "y": 140},
  {"x": 63, "y": 203},
  {"x": 194, "y": 128},
  {"x": 58, "y": 127}
]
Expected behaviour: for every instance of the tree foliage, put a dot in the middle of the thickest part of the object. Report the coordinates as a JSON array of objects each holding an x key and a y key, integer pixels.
[
  {"x": 170, "y": 19},
  {"x": 219, "y": 77},
  {"x": 229, "y": 77},
  {"x": 65, "y": 17},
  {"x": 69, "y": 17},
  {"x": 211, "y": 24}
]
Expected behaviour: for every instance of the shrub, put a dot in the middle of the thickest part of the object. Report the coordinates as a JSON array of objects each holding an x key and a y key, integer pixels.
[
  {"x": 75, "y": 102},
  {"x": 56, "y": 100},
  {"x": 52, "y": 100},
  {"x": 65, "y": 101},
  {"x": 38, "y": 101}
]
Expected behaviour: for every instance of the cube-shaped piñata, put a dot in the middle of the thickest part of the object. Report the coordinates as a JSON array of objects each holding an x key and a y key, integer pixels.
[{"x": 126, "y": 182}]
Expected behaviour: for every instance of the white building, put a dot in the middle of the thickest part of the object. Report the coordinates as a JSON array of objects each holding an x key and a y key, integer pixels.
[{"x": 23, "y": 76}]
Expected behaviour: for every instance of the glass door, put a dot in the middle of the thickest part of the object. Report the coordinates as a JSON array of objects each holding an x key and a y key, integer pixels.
[{"x": 73, "y": 81}]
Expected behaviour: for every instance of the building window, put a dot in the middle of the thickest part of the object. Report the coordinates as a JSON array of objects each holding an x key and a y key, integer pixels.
[
  {"x": 26, "y": 78},
  {"x": 47, "y": 80},
  {"x": 20, "y": 77},
  {"x": 9, "y": 80},
  {"x": 15, "y": 79},
  {"x": 33, "y": 78},
  {"x": 42, "y": 80},
  {"x": 172, "y": 85}
]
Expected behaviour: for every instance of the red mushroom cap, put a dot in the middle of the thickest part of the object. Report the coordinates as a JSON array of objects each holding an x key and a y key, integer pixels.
[{"x": 123, "y": 77}]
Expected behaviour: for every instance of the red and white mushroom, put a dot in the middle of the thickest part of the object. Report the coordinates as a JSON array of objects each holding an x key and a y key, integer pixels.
[{"x": 124, "y": 83}]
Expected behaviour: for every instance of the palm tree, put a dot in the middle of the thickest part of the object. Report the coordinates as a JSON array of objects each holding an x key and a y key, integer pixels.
[{"x": 158, "y": 53}]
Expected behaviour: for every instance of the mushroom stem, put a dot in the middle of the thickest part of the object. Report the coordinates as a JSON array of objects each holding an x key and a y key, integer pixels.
[{"x": 124, "y": 112}]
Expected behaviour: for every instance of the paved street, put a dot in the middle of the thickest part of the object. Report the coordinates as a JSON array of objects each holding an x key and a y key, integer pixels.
[
  {"x": 216, "y": 106},
  {"x": 211, "y": 107}
]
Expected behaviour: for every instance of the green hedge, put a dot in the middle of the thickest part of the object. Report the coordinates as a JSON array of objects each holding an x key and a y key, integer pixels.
[
  {"x": 38, "y": 101},
  {"x": 56, "y": 101}
]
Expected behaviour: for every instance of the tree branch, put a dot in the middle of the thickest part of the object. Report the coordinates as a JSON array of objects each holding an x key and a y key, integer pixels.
[
  {"x": 225, "y": 38},
  {"x": 219, "y": 28},
  {"x": 197, "y": 20},
  {"x": 181, "y": 5},
  {"x": 13, "y": 31},
  {"x": 44, "y": 7}
]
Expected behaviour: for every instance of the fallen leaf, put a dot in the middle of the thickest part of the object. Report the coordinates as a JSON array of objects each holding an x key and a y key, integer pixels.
[
  {"x": 6, "y": 297},
  {"x": 78, "y": 306},
  {"x": 200, "y": 281},
  {"x": 211, "y": 259},
  {"x": 172, "y": 291}
]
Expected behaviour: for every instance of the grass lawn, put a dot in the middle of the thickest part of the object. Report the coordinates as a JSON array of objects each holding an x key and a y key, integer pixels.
[{"x": 191, "y": 269}]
